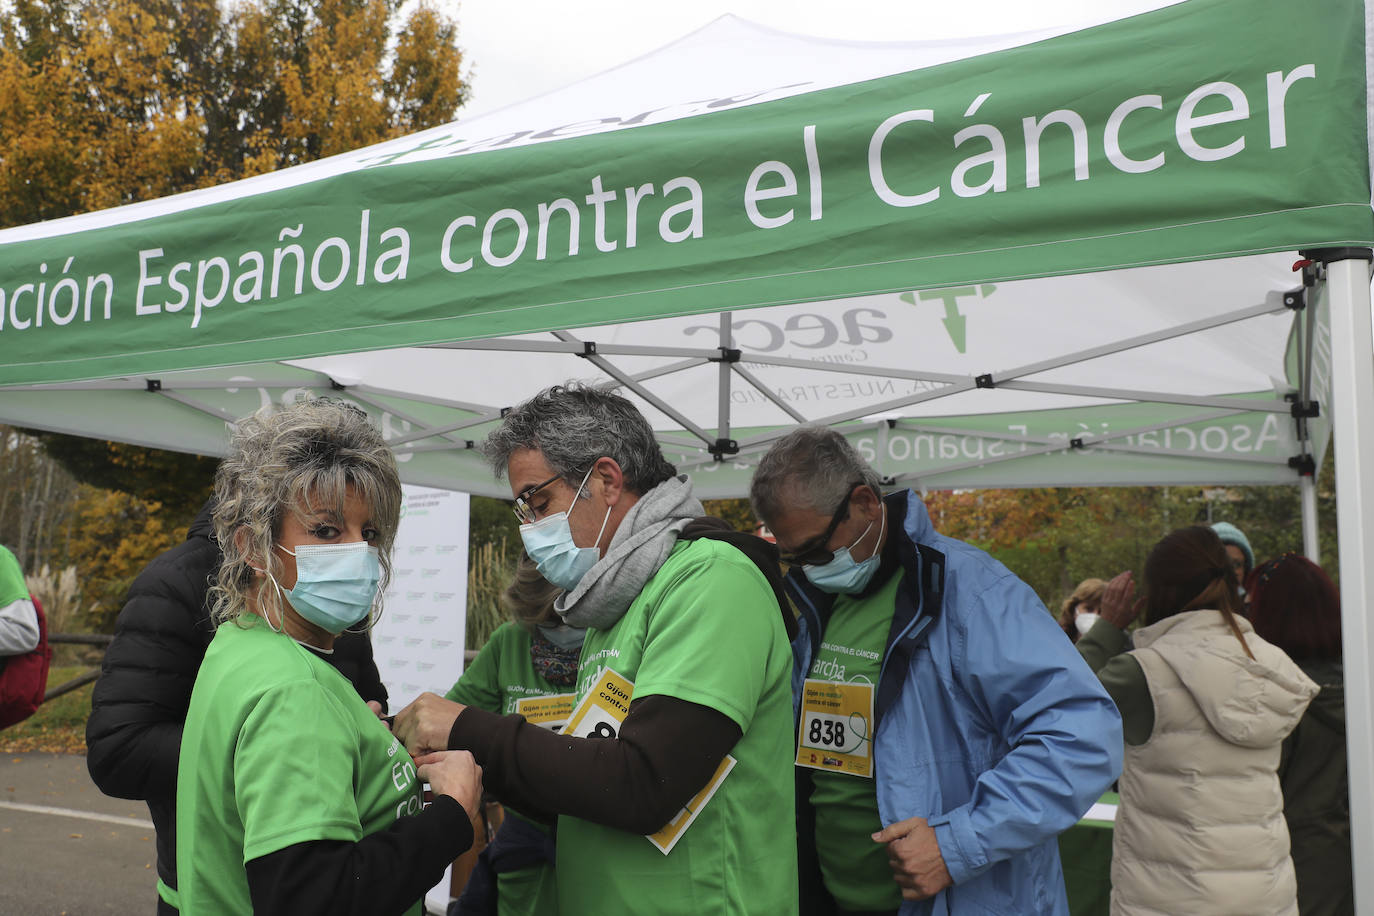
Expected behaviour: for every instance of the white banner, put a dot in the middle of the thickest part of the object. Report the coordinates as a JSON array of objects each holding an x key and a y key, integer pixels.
[{"x": 418, "y": 642}]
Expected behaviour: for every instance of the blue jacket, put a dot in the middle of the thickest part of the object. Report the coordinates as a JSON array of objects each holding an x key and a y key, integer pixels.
[{"x": 989, "y": 723}]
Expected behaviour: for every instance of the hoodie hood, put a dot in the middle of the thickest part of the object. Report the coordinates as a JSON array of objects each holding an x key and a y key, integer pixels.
[{"x": 1250, "y": 702}]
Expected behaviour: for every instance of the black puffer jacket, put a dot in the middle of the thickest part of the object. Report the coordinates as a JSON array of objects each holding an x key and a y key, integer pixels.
[{"x": 133, "y": 735}]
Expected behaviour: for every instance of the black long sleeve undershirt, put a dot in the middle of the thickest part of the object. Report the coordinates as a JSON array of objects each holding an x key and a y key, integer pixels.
[
  {"x": 381, "y": 874},
  {"x": 666, "y": 751}
]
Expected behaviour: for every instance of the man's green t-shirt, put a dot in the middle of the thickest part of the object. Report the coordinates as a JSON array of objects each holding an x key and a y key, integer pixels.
[
  {"x": 12, "y": 586},
  {"x": 705, "y": 629},
  {"x": 500, "y": 677},
  {"x": 278, "y": 749},
  {"x": 855, "y": 869}
]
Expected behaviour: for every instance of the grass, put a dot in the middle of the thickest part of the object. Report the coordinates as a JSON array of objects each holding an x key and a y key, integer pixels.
[{"x": 59, "y": 725}]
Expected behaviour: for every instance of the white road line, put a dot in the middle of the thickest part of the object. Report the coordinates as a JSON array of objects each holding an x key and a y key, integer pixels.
[{"x": 83, "y": 815}]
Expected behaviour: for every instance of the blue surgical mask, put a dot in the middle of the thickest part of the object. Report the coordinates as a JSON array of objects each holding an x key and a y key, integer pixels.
[
  {"x": 842, "y": 576},
  {"x": 550, "y": 544},
  {"x": 336, "y": 584}
]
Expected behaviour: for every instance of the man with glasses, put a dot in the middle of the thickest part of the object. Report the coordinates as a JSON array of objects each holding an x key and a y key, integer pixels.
[
  {"x": 673, "y": 789},
  {"x": 947, "y": 731}
]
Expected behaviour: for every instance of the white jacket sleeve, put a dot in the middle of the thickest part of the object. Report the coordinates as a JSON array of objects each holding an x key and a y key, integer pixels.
[{"x": 18, "y": 627}]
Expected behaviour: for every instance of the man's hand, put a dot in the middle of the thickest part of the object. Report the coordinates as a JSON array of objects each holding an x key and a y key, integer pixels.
[
  {"x": 1117, "y": 608},
  {"x": 423, "y": 726},
  {"x": 376, "y": 707},
  {"x": 914, "y": 855},
  {"x": 453, "y": 773}
]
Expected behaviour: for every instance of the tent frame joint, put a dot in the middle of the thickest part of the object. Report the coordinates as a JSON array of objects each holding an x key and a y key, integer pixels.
[
  {"x": 1296, "y": 299},
  {"x": 588, "y": 349},
  {"x": 152, "y": 384},
  {"x": 1305, "y": 465},
  {"x": 722, "y": 447},
  {"x": 1302, "y": 410},
  {"x": 984, "y": 380},
  {"x": 727, "y": 355}
]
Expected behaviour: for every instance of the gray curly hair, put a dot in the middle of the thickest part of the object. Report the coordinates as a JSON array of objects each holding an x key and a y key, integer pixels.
[
  {"x": 572, "y": 426},
  {"x": 296, "y": 459}
]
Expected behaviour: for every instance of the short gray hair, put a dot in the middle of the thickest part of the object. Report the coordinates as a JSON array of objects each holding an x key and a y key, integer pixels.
[
  {"x": 296, "y": 459},
  {"x": 812, "y": 467},
  {"x": 572, "y": 426}
]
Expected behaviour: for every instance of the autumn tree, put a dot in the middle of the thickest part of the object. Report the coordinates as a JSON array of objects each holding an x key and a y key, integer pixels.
[
  {"x": 109, "y": 102},
  {"x": 106, "y": 103}
]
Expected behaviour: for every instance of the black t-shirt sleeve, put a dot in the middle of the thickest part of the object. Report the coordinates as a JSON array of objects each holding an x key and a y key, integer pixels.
[
  {"x": 667, "y": 750},
  {"x": 381, "y": 874}
]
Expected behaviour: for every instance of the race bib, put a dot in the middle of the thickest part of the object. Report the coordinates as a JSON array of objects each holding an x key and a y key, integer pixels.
[
  {"x": 551, "y": 712},
  {"x": 836, "y": 728},
  {"x": 603, "y": 708},
  {"x": 599, "y": 716}
]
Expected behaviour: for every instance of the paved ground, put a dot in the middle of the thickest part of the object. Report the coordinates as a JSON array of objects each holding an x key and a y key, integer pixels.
[{"x": 67, "y": 848}]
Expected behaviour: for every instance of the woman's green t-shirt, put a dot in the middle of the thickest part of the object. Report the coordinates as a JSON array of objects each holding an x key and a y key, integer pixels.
[{"x": 278, "y": 749}]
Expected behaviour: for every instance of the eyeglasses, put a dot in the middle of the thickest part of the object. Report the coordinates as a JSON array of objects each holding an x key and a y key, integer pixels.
[
  {"x": 523, "y": 510},
  {"x": 815, "y": 552}
]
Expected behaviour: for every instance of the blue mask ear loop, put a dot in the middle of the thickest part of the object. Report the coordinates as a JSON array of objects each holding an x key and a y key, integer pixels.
[
  {"x": 882, "y": 528},
  {"x": 604, "y": 521},
  {"x": 882, "y": 531},
  {"x": 277, "y": 596}
]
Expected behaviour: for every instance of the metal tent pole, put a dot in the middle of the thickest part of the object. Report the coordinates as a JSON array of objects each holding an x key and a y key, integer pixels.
[
  {"x": 1311, "y": 546},
  {"x": 1352, "y": 338}
]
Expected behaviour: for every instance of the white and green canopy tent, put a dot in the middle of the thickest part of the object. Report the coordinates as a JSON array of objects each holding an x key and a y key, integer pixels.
[{"x": 1058, "y": 258}]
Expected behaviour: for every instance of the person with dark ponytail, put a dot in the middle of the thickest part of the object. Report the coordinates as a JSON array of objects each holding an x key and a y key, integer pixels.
[
  {"x": 1296, "y": 606},
  {"x": 1205, "y": 705}
]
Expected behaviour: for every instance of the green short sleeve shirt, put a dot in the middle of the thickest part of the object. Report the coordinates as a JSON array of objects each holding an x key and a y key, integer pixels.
[
  {"x": 706, "y": 629},
  {"x": 278, "y": 749}
]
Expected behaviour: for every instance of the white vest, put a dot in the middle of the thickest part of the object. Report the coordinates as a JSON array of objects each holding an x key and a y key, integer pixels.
[{"x": 1200, "y": 829}]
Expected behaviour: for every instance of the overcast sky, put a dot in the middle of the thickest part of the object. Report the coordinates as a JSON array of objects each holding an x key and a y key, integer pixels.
[{"x": 516, "y": 49}]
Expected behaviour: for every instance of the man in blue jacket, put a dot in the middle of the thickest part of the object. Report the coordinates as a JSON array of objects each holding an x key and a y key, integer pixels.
[{"x": 947, "y": 730}]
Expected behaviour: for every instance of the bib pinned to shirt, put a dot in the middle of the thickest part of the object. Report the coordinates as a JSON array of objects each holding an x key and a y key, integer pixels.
[{"x": 835, "y": 734}]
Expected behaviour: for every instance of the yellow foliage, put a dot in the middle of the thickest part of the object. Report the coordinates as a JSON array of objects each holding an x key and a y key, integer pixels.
[
  {"x": 105, "y": 103},
  {"x": 114, "y": 535}
]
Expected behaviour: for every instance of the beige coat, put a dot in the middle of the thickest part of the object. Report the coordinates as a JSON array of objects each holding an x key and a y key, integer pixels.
[{"x": 1200, "y": 829}]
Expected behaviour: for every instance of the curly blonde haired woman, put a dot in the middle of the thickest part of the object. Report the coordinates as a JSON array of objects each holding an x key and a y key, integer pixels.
[{"x": 293, "y": 796}]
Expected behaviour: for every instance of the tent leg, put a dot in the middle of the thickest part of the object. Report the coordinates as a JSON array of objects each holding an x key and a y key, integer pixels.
[
  {"x": 1311, "y": 546},
  {"x": 1353, "y": 405}
]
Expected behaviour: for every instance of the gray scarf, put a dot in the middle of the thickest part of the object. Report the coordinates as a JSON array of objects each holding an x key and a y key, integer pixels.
[{"x": 643, "y": 541}]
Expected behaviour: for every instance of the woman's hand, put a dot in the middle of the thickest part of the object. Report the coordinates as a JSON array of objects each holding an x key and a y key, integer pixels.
[
  {"x": 1118, "y": 607},
  {"x": 455, "y": 774}
]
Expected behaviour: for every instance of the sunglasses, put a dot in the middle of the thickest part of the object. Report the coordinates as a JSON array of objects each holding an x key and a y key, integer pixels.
[
  {"x": 814, "y": 552},
  {"x": 523, "y": 510}
]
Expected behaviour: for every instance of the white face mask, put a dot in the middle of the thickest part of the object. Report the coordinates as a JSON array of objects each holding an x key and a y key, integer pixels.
[{"x": 1084, "y": 622}]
